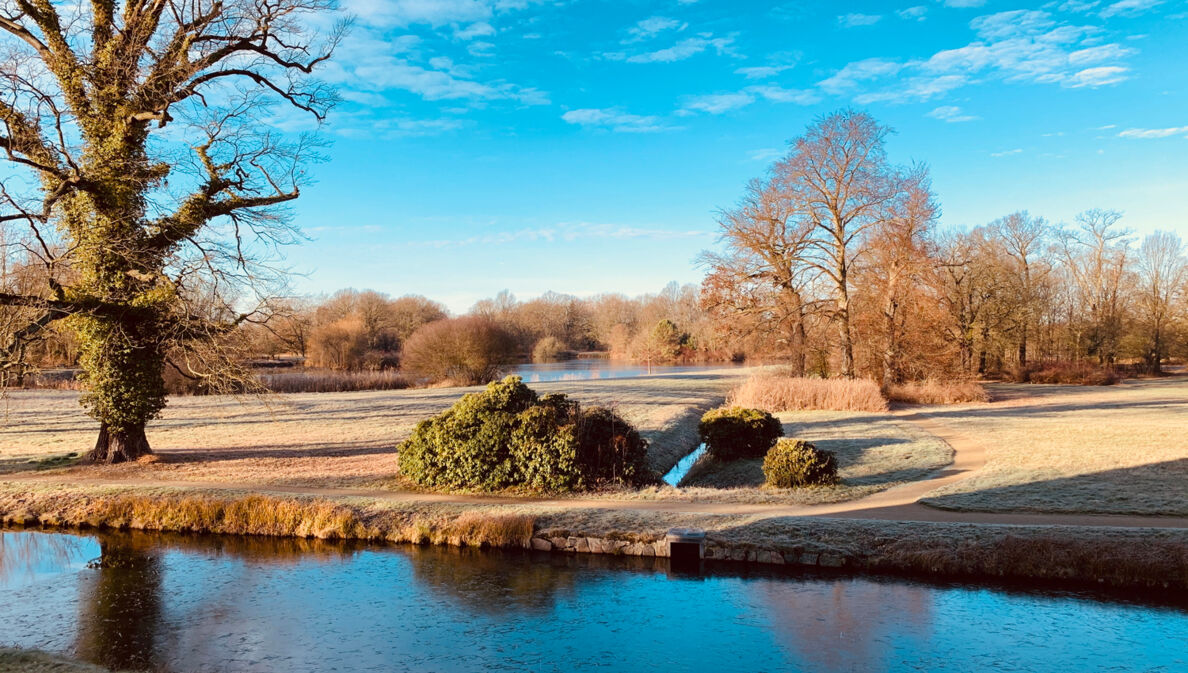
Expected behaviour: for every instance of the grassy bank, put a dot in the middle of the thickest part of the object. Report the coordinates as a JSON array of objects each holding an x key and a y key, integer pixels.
[
  {"x": 1076, "y": 555},
  {"x": 874, "y": 451},
  {"x": 1075, "y": 449}
]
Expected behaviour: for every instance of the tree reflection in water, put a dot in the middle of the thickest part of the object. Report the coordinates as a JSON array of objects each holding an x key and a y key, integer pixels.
[
  {"x": 120, "y": 605},
  {"x": 495, "y": 582}
]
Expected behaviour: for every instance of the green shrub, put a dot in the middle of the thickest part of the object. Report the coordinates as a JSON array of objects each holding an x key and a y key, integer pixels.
[
  {"x": 795, "y": 462},
  {"x": 731, "y": 433},
  {"x": 506, "y": 436}
]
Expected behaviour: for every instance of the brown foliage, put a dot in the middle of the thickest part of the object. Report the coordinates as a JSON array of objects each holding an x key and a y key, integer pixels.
[{"x": 466, "y": 351}]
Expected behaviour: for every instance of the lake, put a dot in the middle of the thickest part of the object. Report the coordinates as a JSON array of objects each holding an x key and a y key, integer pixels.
[
  {"x": 193, "y": 603},
  {"x": 594, "y": 368}
]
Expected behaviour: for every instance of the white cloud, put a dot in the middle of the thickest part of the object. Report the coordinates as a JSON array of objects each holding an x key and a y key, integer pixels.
[
  {"x": 855, "y": 20},
  {"x": 917, "y": 13},
  {"x": 651, "y": 27},
  {"x": 853, "y": 74},
  {"x": 777, "y": 94},
  {"x": 1006, "y": 153},
  {"x": 951, "y": 114},
  {"x": 765, "y": 154},
  {"x": 615, "y": 120},
  {"x": 1015, "y": 46},
  {"x": 1154, "y": 133},
  {"x": 477, "y": 29},
  {"x": 962, "y": 4},
  {"x": 1095, "y": 77},
  {"x": 761, "y": 71},
  {"x": 680, "y": 51},
  {"x": 716, "y": 103},
  {"x": 1129, "y": 8}
]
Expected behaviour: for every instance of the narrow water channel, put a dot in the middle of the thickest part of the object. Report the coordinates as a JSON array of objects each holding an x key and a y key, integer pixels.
[
  {"x": 678, "y": 471},
  {"x": 184, "y": 603}
]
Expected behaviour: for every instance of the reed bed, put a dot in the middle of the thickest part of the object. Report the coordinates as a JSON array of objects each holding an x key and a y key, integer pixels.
[
  {"x": 775, "y": 393},
  {"x": 329, "y": 381}
]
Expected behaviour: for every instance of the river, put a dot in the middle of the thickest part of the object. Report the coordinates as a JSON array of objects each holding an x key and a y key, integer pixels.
[{"x": 194, "y": 603}]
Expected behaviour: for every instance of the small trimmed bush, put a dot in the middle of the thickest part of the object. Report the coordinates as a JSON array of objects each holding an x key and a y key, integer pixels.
[
  {"x": 795, "y": 462},
  {"x": 506, "y": 436},
  {"x": 732, "y": 433}
]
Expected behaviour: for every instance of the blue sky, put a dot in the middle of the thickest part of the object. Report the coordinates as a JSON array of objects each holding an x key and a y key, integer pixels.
[{"x": 584, "y": 146}]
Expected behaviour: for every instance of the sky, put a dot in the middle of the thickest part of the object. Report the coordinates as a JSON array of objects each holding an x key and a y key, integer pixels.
[{"x": 583, "y": 146}]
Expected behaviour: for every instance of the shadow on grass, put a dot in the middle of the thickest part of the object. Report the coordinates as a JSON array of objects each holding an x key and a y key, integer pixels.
[{"x": 1156, "y": 489}]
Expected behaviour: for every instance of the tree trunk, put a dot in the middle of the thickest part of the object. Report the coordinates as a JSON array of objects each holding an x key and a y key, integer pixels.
[
  {"x": 118, "y": 446},
  {"x": 847, "y": 340}
]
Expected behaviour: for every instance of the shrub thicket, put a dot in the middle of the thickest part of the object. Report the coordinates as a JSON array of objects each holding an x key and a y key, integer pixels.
[
  {"x": 731, "y": 433},
  {"x": 548, "y": 349},
  {"x": 506, "y": 436},
  {"x": 795, "y": 462},
  {"x": 465, "y": 351}
]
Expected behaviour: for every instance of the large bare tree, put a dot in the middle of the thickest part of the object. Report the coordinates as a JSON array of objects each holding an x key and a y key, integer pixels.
[
  {"x": 840, "y": 173},
  {"x": 141, "y": 157},
  {"x": 758, "y": 286}
]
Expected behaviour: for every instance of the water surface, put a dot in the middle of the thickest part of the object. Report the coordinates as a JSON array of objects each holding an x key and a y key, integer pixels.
[
  {"x": 179, "y": 603},
  {"x": 586, "y": 369}
]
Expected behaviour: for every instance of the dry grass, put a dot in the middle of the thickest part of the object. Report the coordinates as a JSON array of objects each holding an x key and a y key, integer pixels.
[
  {"x": 874, "y": 452},
  {"x": 937, "y": 392},
  {"x": 262, "y": 515},
  {"x": 1116, "y": 450},
  {"x": 774, "y": 392},
  {"x": 319, "y": 439},
  {"x": 330, "y": 381}
]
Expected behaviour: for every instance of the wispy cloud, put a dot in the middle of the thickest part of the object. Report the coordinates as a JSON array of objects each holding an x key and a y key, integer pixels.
[
  {"x": 761, "y": 71},
  {"x": 765, "y": 154},
  {"x": 1129, "y": 8},
  {"x": 614, "y": 119},
  {"x": 855, "y": 20},
  {"x": 651, "y": 27},
  {"x": 722, "y": 102},
  {"x": 1147, "y": 134},
  {"x": 683, "y": 49},
  {"x": 917, "y": 13},
  {"x": 1006, "y": 153},
  {"x": 716, "y": 103},
  {"x": 951, "y": 114},
  {"x": 962, "y": 4},
  {"x": 1016, "y": 46},
  {"x": 566, "y": 232}
]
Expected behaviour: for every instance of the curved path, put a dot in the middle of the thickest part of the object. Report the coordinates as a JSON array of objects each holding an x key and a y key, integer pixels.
[{"x": 900, "y": 503}]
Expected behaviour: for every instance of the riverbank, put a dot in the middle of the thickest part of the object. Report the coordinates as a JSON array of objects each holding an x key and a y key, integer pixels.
[
  {"x": 324, "y": 466},
  {"x": 1076, "y": 555}
]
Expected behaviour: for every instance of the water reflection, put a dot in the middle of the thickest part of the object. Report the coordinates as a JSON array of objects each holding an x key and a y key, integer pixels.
[
  {"x": 121, "y": 605},
  {"x": 184, "y": 603},
  {"x": 582, "y": 370}
]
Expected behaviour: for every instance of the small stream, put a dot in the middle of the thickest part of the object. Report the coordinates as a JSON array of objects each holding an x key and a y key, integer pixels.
[{"x": 674, "y": 476}]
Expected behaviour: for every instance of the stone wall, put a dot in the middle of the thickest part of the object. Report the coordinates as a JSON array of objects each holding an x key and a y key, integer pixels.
[{"x": 659, "y": 548}]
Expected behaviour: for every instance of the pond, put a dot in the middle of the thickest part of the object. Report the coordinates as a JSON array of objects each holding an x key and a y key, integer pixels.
[
  {"x": 596, "y": 368},
  {"x": 191, "y": 603}
]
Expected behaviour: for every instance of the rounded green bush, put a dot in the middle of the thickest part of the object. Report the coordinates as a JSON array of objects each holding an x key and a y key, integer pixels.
[
  {"x": 506, "y": 436},
  {"x": 795, "y": 462},
  {"x": 731, "y": 433}
]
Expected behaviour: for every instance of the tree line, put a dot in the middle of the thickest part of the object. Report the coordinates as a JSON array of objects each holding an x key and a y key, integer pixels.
[{"x": 835, "y": 260}]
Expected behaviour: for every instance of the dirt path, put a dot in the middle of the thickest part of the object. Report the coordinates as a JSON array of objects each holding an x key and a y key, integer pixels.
[{"x": 896, "y": 504}]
